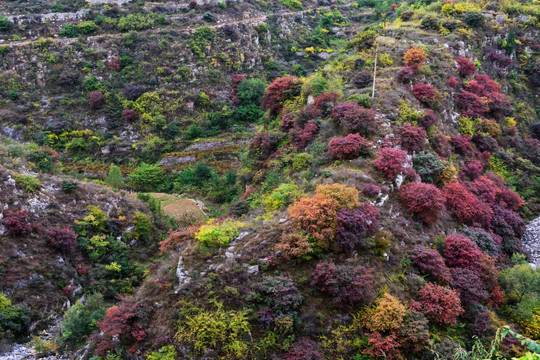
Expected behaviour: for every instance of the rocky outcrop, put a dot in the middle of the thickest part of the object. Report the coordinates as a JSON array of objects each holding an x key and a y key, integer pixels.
[{"x": 531, "y": 241}]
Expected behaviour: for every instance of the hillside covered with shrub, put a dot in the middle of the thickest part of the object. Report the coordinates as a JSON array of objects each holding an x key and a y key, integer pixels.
[{"x": 270, "y": 180}]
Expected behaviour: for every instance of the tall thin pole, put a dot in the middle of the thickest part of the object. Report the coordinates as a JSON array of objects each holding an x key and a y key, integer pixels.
[{"x": 374, "y": 73}]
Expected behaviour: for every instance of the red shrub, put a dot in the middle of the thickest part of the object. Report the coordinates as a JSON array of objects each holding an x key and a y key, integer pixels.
[
  {"x": 391, "y": 161},
  {"x": 326, "y": 101},
  {"x": 387, "y": 347},
  {"x": 354, "y": 225},
  {"x": 496, "y": 297},
  {"x": 483, "y": 85},
  {"x": 406, "y": 74},
  {"x": 355, "y": 118},
  {"x": 115, "y": 64},
  {"x": 287, "y": 121},
  {"x": 82, "y": 268},
  {"x": 507, "y": 223},
  {"x": 129, "y": 115},
  {"x": 483, "y": 188},
  {"x": 482, "y": 321},
  {"x": 461, "y": 144},
  {"x": 17, "y": 222},
  {"x": 425, "y": 201},
  {"x": 62, "y": 238},
  {"x": 281, "y": 90},
  {"x": 466, "y": 67},
  {"x": 430, "y": 262},
  {"x": 412, "y": 137},
  {"x": 469, "y": 285},
  {"x": 414, "y": 332},
  {"x": 426, "y": 94},
  {"x": 465, "y": 206},
  {"x": 68, "y": 290},
  {"x": 263, "y": 145},
  {"x": 460, "y": 251},
  {"x": 126, "y": 320},
  {"x": 362, "y": 78},
  {"x": 303, "y": 135},
  {"x": 304, "y": 349},
  {"x": 440, "y": 304},
  {"x": 347, "y": 285},
  {"x": 472, "y": 170},
  {"x": 440, "y": 144},
  {"x": 452, "y": 81},
  {"x": 508, "y": 199},
  {"x": 429, "y": 118},
  {"x": 471, "y": 105},
  {"x": 371, "y": 190},
  {"x": 96, "y": 100},
  {"x": 348, "y": 147},
  {"x": 485, "y": 143}
]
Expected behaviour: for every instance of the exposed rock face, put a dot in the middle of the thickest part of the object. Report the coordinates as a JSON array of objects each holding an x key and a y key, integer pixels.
[{"x": 531, "y": 241}]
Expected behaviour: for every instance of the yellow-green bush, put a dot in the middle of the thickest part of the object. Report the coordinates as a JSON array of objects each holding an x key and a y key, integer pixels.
[
  {"x": 27, "y": 182},
  {"x": 215, "y": 235},
  {"x": 281, "y": 196},
  {"x": 218, "y": 329}
]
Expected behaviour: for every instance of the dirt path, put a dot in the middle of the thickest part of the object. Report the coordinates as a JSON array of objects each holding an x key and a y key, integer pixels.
[{"x": 188, "y": 29}]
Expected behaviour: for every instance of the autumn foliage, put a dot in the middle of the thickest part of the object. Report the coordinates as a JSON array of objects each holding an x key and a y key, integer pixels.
[
  {"x": 415, "y": 57},
  {"x": 62, "y": 238},
  {"x": 412, "y": 137},
  {"x": 465, "y": 206},
  {"x": 354, "y": 225},
  {"x": 17, "y": 222},
  {"x": 96, "y": 99},
  {"x": 465, "y": 66},
  {"x": 348, "y": 147},
  {"x": 281, "y": 90},
  {"x": 426, "y": 94},
  {"x": 460, "y": 251},
  {"x": 317, "y": 214},
  {"x": 425, "y": 201},
  {"x": 430, "y": 262},
  {"x": 440, "y": 304},
  {"x": 391, "y": 161},
  {"x": 354, "y": 118}
]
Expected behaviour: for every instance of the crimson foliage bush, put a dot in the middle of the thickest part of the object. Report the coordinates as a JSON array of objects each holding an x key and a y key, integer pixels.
[
  {"x": 281, "y": 295},
  {"x": 440, "y": 144},
  {"x": 468, "y": 283},
  {"x": 483, "y": 188},
  {"x": 354, "y": 225},
  {"x": 391, "y": 161},
  {"x": 507, "y": 223},
  {"x": 429, "y": 118},
  {"x": 508, "y": 199},
  {"x": 279, "y": 91},
  {"x": 465, "y": 66},
  {"x": 472, "y": 170},
  {"x": 465, "y": 206},
  {"x": 425, "y": 201},
  {"x": 430, "y": 262},
  {"x": 96, "y": 100},
  {"x": 348, "y": 147},
  {"x": 406, "y": 73},
  {"x": 354, "y": 118},
  {"x": 460, "y": 251},
  {"x": 461, "y": 144},
  {"x": 17, "y": 222},
  {"x": 133, "y": 92},
  {"x": 304, "y": 349},
  {"x": 302, "y": 135},
  {"x": 471, "y": 105},
  {"x": 62, "y": 238},
  {"x": 426, "y": 94},
  {"x": 263, "y": 145},
  {"x": 129, "y": 115},
  {"x": 412, "y": 137},
  {"x": 127, "y": 320},
  {"x": 347, "y": 285},
  {"x": 440, "y": 304}
]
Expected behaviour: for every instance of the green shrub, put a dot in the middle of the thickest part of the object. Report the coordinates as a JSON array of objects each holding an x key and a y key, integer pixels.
[
  {"x": 474, "y": 19},
  {"x": 218, "y": 329},
  {"x": 114, "y": 179},
  {"x": 94, "y": 221},
  {"x": 361, "y": 99},
  {"x": 284, "y": 195},
  {"x": 5, "y": 24},
  {"x": 4, "y": 49},
  {"x": 80, "y": 320},
  {"x": 135, "y": 22},
  {"x": 87, "y": 27},
  {"x": 146, "y": 178},
  {"x": 218, "y": 234},
  {"x": 68, "y": 30},
  {"x": 251, "y": 91},
  {"x": 14, "y": 320},
  {"x": 27, "y": 182},
  {"x": 143, "y": 227},
  {"x": 165, "y": 353},
  {"x": 193, "y": 132},
  {"x": 291, "y": 4},
  {"x": 248, "y": 114},
  {"x": 68, "y": 186}
]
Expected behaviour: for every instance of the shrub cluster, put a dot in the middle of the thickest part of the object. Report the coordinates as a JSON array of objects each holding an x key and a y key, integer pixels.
[
  {"x": 391, "y": 162},
  {"x": 425, "y": 201},
  {"x": 348, "y": 147}
]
